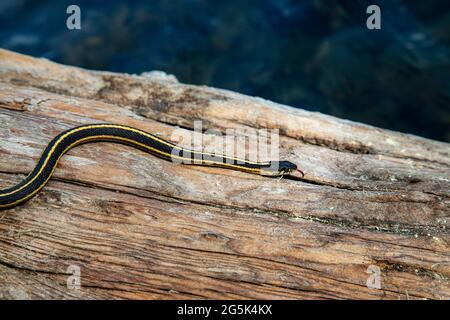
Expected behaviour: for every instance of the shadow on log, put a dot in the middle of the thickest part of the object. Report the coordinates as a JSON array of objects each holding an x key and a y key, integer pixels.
[{"x": 143, "y": 228}]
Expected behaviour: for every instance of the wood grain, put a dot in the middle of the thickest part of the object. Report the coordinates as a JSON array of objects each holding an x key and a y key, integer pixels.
[{"x": 143, "y": 228}]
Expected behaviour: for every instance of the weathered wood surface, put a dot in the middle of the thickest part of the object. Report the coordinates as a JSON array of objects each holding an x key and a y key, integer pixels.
[{"x": 141, "y": 227}]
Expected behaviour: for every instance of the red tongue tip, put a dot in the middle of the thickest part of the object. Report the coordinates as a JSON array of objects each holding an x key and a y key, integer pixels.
[{"x": 301, "y": 172}]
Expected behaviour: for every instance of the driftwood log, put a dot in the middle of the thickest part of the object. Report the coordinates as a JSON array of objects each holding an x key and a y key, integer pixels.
[{"x": 140, "y": 227}]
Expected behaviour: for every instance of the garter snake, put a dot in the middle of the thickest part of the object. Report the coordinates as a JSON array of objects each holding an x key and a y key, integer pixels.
[{"x": 150, "y": 143}]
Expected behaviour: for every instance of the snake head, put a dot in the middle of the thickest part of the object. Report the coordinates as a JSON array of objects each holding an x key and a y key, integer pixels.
[{"x": 280, "y": 168}]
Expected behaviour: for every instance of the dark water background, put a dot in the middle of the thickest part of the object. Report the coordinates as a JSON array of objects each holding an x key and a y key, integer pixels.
[{"x": 313, "y": 54}]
